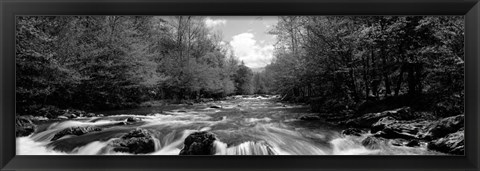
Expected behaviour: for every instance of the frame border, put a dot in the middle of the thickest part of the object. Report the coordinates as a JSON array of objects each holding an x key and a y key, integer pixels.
[{"x": 11, "y": 8}]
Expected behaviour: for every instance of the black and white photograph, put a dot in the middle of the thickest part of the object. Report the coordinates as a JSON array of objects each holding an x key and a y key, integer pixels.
[{"x": 239, "y": 85}]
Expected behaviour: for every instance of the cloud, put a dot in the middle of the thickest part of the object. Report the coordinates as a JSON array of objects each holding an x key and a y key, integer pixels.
[
  {"x": 214, "y": 22},
  {"x": 246, "y": 48}
]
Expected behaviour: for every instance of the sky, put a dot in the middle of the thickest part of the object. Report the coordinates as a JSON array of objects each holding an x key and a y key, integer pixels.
[{"x": 248, "y": 37}]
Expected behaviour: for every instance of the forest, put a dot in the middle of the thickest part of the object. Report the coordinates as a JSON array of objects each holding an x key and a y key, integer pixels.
[
  {"x": 333, "y": 63},
  {"x": 369, "y": 64},
  {"x": 109, "y": 62},
  {"x": 170, "y": 85}
]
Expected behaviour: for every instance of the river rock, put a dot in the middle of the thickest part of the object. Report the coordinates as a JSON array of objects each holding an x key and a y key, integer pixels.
[
  {"x": 215, "y": 106},
  {"x": 132, "y": 119},
  {"x": 352, "y": 131},
  {"x": 382, "y": 124},
  {"x": 74, "y": 131},
  {"x": 453, "y": 143},
  {"x": 372, "y": 142},
  {"x": 413, "y": 143},
  {"x": 444, "y": 127},
  {"x": 398, "y": 142},
  {"x": 69, "y": 115},
  {"x": 24, "y": 127},
  {"x": 390, "y": 128},
  {"x": 199, "y": 143},
  {"x": 367, "y": 120},
  {"x": 138, "y": 141}
]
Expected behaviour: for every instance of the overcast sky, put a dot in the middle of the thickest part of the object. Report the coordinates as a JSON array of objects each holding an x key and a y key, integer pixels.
[{"x": 248, "y": 36}]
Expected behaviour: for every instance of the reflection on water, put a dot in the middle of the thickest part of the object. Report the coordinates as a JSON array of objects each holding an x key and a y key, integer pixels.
[{"x": 246, "y": 126}]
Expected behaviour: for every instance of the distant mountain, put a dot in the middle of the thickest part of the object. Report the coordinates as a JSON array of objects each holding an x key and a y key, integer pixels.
[{"x": 258, "y": 69}]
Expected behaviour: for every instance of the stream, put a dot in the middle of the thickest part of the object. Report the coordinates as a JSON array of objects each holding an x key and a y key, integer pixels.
[{"x": 242, "y": 125}]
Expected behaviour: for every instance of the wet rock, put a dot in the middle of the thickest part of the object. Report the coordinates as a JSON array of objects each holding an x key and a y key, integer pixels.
[
  {"x": 453, "y": 143},
  {"x": 62, "y": 117},
  {"x": 132, "y": 119},
  {"x": 390, "y": 128},
  {"x": 70, "y": 115},
  {"x": 372, "y": 142},
  {"x": 90, "y": 115},
  {"x": 74, "y": 131},
  {"x": 138, "y": 141},
  {"x": 367, "y": 120},
  {"x": 352, "y": 131},
  {"x": 215, "y": 106},
  {"x": 382, "y": 124},
  {"x": 398, "y": 142},
  {"x": 444, "y": 127},
  {"x": 413, "y": 143},
  {"x": 199, "y": 143},
  {"x": 121, "y": 123},
  {"x": 24, "y": 127}
]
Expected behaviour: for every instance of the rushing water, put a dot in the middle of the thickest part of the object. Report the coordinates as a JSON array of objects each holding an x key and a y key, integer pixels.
[{"x": 244, "y": 126}]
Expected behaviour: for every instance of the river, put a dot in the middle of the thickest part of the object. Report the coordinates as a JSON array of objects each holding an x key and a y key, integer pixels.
[{"x": 243, "y": 126}]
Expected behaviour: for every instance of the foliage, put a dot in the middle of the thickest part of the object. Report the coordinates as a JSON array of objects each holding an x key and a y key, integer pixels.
[
  {"x": 104, "y": 62},
  {"x": 349, "y": 60}
]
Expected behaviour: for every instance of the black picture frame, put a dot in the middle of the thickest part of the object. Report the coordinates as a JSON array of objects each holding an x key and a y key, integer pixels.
[{"x": 10, "y": 8}]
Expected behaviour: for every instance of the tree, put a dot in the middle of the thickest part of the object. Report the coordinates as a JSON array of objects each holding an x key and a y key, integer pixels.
[{"x": 243, "y": 80}]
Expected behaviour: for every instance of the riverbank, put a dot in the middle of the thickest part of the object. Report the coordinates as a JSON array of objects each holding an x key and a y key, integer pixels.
[{"x": 403, "y": 127}]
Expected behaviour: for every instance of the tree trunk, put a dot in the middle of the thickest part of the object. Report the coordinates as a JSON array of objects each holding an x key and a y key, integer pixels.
[
  {"x": 400, "y": 79},
  {"x": 411, "y": 79}
]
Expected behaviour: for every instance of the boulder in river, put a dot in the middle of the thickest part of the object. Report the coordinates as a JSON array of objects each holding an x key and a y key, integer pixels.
[
  {"x": 215, "y": 106},
  {"x": 352, "y": 131},
  {"x": 62, "y": 117},
  {"x": 444, "y": 127},
  {"x": 132, "y": 119},
  {"x": 413, "y": 143},
  {"x": 390, "y": 128},
  {"x": 398, "y": 142},
  {"x": 24, "y": 127},
  {"x": 367, "y": 120},
  {"x": 453, "y": 143},
  {"x": 372, "y": 142},
  {"x": 138, "y": 141},
  {"x": 74, "y": 131},
  {"x": 199, "y": 143},
  {"x": 69, "y": 115}
]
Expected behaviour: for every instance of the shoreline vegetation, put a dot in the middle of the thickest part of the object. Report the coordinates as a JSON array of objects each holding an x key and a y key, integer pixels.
[{"x": 399, "y": 79}]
